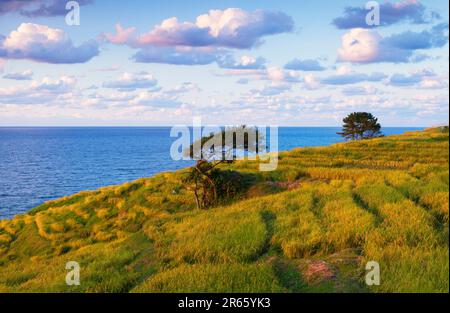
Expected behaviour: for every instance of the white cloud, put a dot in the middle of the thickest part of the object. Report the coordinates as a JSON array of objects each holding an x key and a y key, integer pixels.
[
  {"x": 129, "y": 81},
  {"x": 183, "y": 88},
  {"x": 345, "y": 76},
  {"x": 360, "y": 46},
  {"x": 244, "y": 62},
  {"x": 37, "y": 8},
  {"x": 273, "y": 73},
  {"x": 434, "y": 82},
  {"x": 156, "y": 99},
  {"x": 310, "y": 82},
  {"x": 368, "y": 46},
  {"x": 44, "y": 91},
  {"x": 206, "y": 40},
  {"x": 179, "y": 55},
  {"x": 275, "y": 88},
  {"x": 61, "y": 85},
  {"x": 425, "y": 79},
  {"x": 365, "y": 90},
  {"x": 25, "y": 75},
  {"x": 231, "y": 28},
  {"x": 278, "y": 74},
  {"x": 408, "y": 10},
  {"x": 304, "y": 65},
  {"x": 44, "y": 44}
]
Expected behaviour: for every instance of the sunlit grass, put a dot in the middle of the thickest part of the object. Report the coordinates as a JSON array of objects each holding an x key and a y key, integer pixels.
[
  {"x": 214, "y": 278},
  {"x": 384, "y": 199}
]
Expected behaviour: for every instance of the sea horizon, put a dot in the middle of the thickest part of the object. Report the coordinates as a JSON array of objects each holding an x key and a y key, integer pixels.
[{"x": 165, "y": 126}]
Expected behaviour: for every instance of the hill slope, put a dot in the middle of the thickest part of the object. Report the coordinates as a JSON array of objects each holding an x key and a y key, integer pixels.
[{"x": 309, "y": 226}]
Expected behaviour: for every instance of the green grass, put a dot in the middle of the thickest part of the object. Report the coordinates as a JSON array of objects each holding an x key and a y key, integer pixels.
[
  {"x": 257, "y": 278},
  {"x": 384, "y": 199},
  {"x": 228, "y": 236}
]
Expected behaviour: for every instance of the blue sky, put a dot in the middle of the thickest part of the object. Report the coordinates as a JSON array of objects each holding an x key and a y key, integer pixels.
[{"x": 306, "y": 63}]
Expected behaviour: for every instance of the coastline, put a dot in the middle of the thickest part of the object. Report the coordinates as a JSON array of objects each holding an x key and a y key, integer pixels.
[
  {"x": 285, "y": 146},
  {"x": 321, "y": 204}
]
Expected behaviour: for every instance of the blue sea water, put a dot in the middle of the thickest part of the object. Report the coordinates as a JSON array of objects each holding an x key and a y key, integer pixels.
[{"x": 44, "y": 163}]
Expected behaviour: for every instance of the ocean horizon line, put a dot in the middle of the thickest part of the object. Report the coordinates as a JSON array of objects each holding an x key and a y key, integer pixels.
[{"x": 166, "y": 126}]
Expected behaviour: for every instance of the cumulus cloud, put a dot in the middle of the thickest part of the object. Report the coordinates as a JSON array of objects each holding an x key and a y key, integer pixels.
[
  {"x": 176, "y": 55},
  {"x": 123, "y": 36},
  {"x": 310, "y": 82},
  {"x": 25, "y": 75},
  {"x": 275, "y": 88},
  {"x": 114, "y": 98},
  {"x": 274, "y": 74},
  {"x": 434, "y": 82},
  {"x": 43, "y": 91},
  {"x": 425, "y": 79},
  {"x": 245, "y": 62},
  {"x": 411, "y": 11},
  {"x": 360, "y": 91},
  {"x": 304, "y": 65},
  {"x": 405, "y": 80},
  {"x": 180, "y": 55},
  {"x": 134, "y": 81},
  {"x": 61, "y": 85},
  {"x": 44, "y": 44},
  {"x": 37, "y": 8},
  {"x": 368, "y": 46},
  {"x": 345, "y": 76},
  {"x": 206, "y": 40},
  {"x": 280, "y": 75},
  {"x": 136, "y": 92},
  {"x": 183, "y": 88},
  {"x": 437, "y": 36},
  {"x": 231, "y": 28},
  {"x": 359, "y": 46},
  {"x": 62, "y": 92},
  {"x": 156, "y": 99}
]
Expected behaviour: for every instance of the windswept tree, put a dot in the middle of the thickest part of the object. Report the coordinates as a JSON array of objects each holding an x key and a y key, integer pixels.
[
  {"x": 360, "y": 125},
  {"x": 204, "y": 179}
]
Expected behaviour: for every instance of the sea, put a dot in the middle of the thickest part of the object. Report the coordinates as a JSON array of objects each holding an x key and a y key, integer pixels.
[{"x": 38, "y": 164}]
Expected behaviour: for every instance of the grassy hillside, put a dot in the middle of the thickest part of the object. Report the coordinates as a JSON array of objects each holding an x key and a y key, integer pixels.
[{"x": 309, "y": 226}]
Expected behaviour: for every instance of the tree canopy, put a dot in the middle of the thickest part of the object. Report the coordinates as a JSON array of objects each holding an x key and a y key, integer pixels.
[
  {"x": 360, "y": 125},
  {"x": 207, "y": 182}
]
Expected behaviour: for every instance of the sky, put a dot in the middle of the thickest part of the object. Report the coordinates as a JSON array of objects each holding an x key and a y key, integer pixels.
[{"x": 285, "y": 63}]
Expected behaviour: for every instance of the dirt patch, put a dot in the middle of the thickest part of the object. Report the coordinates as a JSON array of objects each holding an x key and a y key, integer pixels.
[
  {"x": 317, "y": 271},
  {"x": 284, "y": 184}
]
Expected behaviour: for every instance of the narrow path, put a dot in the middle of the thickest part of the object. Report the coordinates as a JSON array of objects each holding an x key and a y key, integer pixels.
[
  {"x": 362, "y": 204},
  {"x": 269, "y": 222}
]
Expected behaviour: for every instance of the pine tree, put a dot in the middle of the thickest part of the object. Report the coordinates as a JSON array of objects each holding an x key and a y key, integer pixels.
[{"x": 360, "y": 125}]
